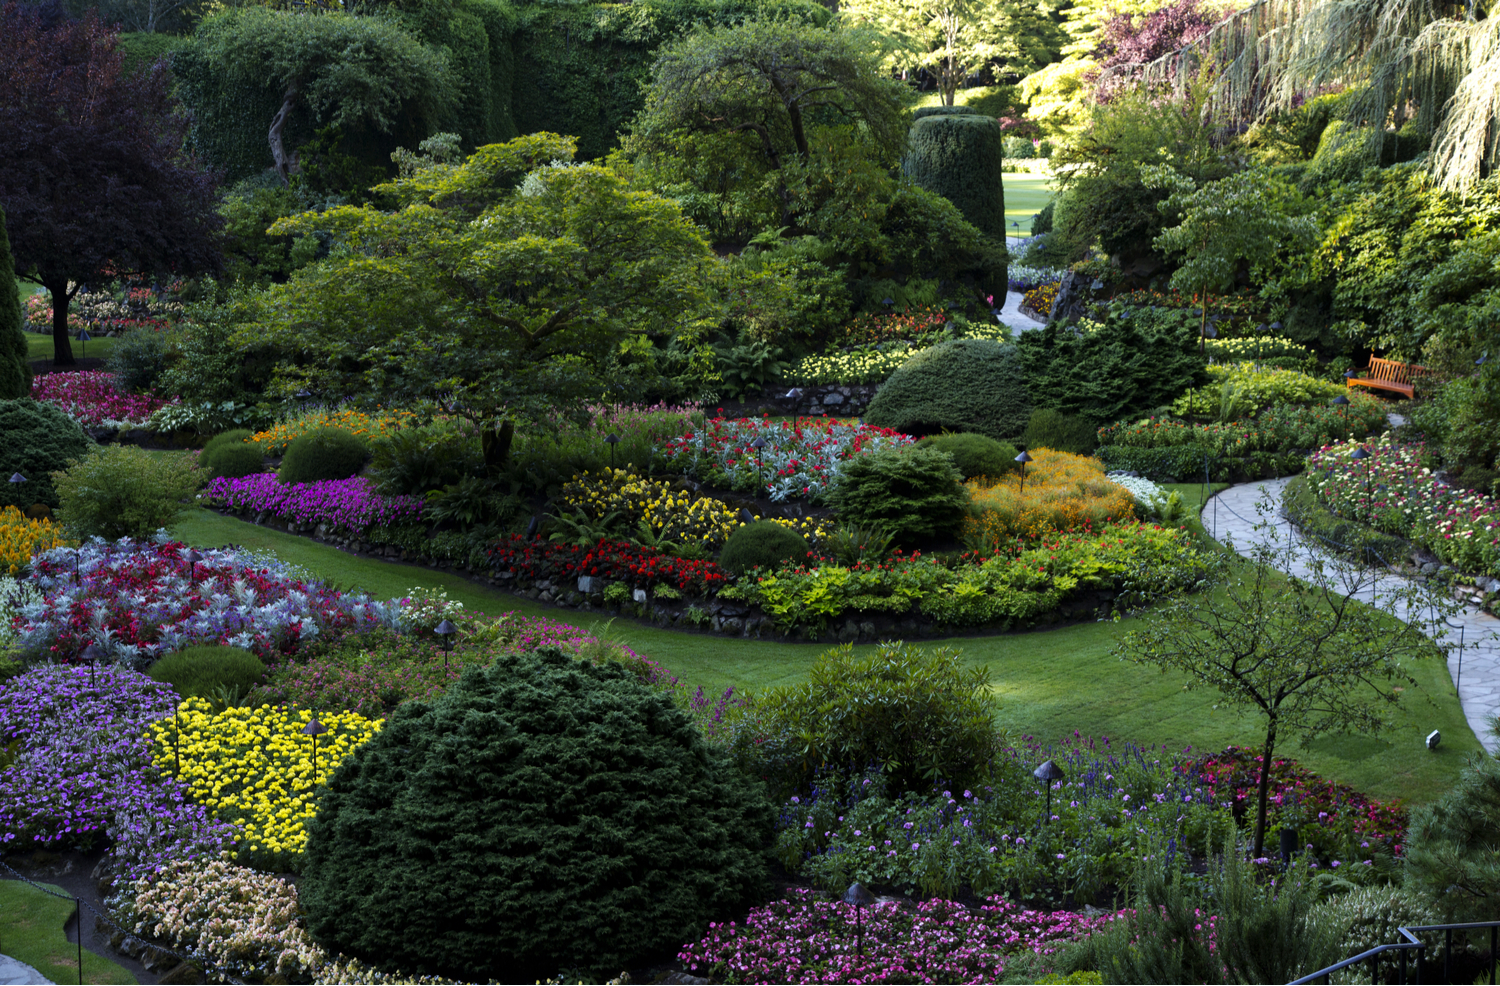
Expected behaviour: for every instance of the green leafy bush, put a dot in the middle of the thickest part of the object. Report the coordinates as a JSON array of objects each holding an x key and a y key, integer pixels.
[
  {"x": 139, "y": 357},
  {"x": 762, "y": 544},
  {"x": 920, "y": 716},
  {"x": 414, "y": 461},
  {"x": 37, "y": 440},
  {"x": 1471, "y": 430},
  {"x": 962, "y": 385},
  {"x": 1061, "y": 432},
  {"x": 1367, "y": 917},
  {"x": 974, "y": 455},
  {"x": 232, "y": 455},
  {"x": 959, "y": 156},
  {"x": 1453, "y": 845},
  {"x": 544, "y": 813},
  {"x": 203, "y": 672},
  {"x": 325, "y": 453},
  {"x": 912, "y": 493},
  {"x": 1112, "y": 372},
  {"x": 124, "y": 491},
  {"x": 1239, "y": 390}
]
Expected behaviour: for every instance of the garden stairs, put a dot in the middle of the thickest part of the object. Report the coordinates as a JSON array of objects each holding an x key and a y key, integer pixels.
[{"x": 1232, "y": 516}]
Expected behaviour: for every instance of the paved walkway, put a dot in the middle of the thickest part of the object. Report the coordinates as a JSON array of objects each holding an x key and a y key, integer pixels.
[
  {"x": 1473, "y": 636},
  {"x": 1011, "y": 313},
  {"x": 15, "y": 973}
]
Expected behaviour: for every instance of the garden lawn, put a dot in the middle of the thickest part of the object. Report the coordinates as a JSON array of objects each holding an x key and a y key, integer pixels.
[
  {"x": 39, "y": 346},
  {"x": 1025, "y": 196},
  {"x": 1046, "y": 683},
  {"x": 31, "y": 930}
]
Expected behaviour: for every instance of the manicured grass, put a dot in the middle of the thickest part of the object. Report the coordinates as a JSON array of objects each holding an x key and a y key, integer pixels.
[
  {"x": 27, "y": 288},
  {"x": 1047, "y": 683},
  {"x": 1025, "y": 196},
  {"x": 39, "y": 346},
  {"x": 31, "y": 930}
]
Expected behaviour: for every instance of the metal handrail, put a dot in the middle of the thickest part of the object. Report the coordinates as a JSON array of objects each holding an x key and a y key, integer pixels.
[{"x": 1412, "y": 942}]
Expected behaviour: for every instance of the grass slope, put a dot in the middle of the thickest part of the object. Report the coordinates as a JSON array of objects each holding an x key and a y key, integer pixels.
[
  {"x": 1025, "y": 196},
  {"x": 31, "y": 930},
  {"x": 39, "y": 346},
  {"x": 1047, "y": 684}
]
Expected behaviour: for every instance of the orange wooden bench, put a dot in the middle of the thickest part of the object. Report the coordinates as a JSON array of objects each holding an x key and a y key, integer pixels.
[{"x": 1387, "y": 374}]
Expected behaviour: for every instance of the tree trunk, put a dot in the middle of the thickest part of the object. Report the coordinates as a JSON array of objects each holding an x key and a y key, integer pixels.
[
  {"x": 495, "y": 445},
  {"x": 798, "y": 134},
  {"x": 285, "y": 164},
  {"x": 62, "y": 345},
  {"x": 1263, "y": 794}
]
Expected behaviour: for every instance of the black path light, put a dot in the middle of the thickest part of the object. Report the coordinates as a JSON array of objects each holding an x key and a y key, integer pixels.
[
  {"x": 861, "y": 899},
  {"x": 193, "y": 558},
  {"x": 1023, "y": 458},
  {"x": 16, "y": 477},
  {"x": 84, "y": 338},
  {"x": 314, "y": 729},
  {"x": 760, "y": 477},
  {"x": 445, "y": 631},
  {"x": 1342, "y": 403},
  {"x": 92, "y": 655},
  {"x": 611, "y": 440},
  {"x": 1047, "y": 773},
  {"x": 1360, "y": 455}
]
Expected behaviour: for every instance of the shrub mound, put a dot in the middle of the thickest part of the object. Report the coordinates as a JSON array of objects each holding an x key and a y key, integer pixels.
[
  {"x": 975, "y": 455},
  {"x": 961, "y": 385},
  {"x": 1060, "y": 432},
  {"x": 763, "y": 544},
  {"x": 544, "y": 813},
  {"x": 912, "y": 493},
  {"x": 124, "y": 491},
  {"x": 38, "y": 439},
  {"x": 231, "y": 454},
  {"x": 197, "y": 672},
  {"x": 325, "y": 453}
]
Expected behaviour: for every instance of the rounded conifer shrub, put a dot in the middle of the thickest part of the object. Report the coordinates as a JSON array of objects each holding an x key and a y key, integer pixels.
[
  {"x": 763, "y": 544},
  {"x": 545, "y": 813},
  {"x": 324, "y": 453},
  {"x": 36, "y": 440},
  {"x": 975, "y": 455},
  {"x": 231, "y": 454},
  {"x": 959, "y": 385},
  {"x": 913, "y": 493}
]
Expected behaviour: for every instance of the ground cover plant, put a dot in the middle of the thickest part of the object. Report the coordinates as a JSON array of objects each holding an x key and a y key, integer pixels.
[
  {"x": 92, "y": 398},
  {"x": 800, "y": 460},
  {"x": 142, "y": 599},
  {"x": 1394, "y": 490}
]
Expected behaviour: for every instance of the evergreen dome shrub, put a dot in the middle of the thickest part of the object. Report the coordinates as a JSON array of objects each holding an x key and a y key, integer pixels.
[
  {"x": 960, "y": 157},
  {"x": 960, "y": 385},
  {"x": 911, "y": 492},
  {"x": 544, "y": 813},
  {"x": 197, "y": 672},
  {"x": 324, "y": 453},
  {"x": 35, "y": 440},
  {"x": 763, "y": 544},
  {"x": 229, "y": 454},
  {"x": 1060, "y": 432},
  {"x": 923, "y": 112},
  {"x": 975, "y": 455}
]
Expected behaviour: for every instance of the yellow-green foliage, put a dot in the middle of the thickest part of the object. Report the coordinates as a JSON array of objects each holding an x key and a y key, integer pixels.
[
  {"x": 124, "y": 491},
  {"x": 1061, "y": 492},
  {"x": 1236, "y": 390},
  {"x": 254, "y": 768}
]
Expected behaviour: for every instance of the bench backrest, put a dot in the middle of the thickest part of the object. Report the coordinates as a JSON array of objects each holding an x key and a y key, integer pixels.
[{"x": 1390, "y": 371}]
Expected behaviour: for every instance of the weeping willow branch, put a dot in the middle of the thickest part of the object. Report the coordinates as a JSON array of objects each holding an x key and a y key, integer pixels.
[{"x": 1435, "y": 65}]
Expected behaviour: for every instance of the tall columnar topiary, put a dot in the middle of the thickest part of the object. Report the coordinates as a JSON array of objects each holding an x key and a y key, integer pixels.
[
  {"x": 545, "y": 813},
  {"x": 921, "y": 113},
  {"x": 960, "y": 385},
  {"x": 15, "y": 370},
  {"x": 959, "y": 156},
  {"x": 35, "y": 440}
]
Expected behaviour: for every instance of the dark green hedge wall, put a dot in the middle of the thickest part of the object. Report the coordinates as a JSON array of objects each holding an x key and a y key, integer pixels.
[{"x": 959, "y": 156}]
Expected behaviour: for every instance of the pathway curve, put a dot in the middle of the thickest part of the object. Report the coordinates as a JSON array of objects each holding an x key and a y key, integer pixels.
[
  {"x": 1473, "y": 635},
  {"x": 1011, "y": 313},
  {"x": 14, "y": 972}
]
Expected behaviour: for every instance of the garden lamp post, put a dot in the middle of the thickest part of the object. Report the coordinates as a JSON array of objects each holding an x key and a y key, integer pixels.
[
  {"x": 84, "y": 338},
  {"x": 314, "y": 729},
  {"x": 611, "y": 440},
  {"x": 193, "y": 559},
  {"x": 1023, "y": 458},
  {"x": 861, "y": 899},
  {"x": 16, "y": 477},
  {"x": 445, "y": 631},
  {"x": 1361, "y": 455},
  {"x": 1047, "y": 773},
  {"x": 1342, "y": 403},
  {"x": 91, "y": 656},
  {"x": 760, "y": 477}
]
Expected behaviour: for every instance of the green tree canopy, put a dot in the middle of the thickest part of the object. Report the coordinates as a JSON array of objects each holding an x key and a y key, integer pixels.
[{"x": 500, "y": 300}]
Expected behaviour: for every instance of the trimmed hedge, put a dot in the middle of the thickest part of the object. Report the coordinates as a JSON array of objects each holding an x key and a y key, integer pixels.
[
  {"x": 959, "y": 156},
  {"x": 545, "y": 813},
  {"x": 913, "y": 492},
  {"x": 323, "y": 453},
  {"x": 923, "y": 112},
  {"x": 961, "y": 385},
  {"x": 1171, "y": 464},
  {"x": 762, "y": 544},
  {"x": 231, "y": 455},
  {"x": 975, "y": 455},
  {"x": 35, "y": 440}
]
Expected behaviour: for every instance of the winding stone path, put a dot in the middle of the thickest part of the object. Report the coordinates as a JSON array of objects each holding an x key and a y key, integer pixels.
[
  {"x": 1473, "y": 635},
  {"x": 13, "y": 972},
  {"x": 1011, "y": 313}
]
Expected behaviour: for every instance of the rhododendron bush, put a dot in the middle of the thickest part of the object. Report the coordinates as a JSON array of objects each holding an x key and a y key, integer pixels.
[
  {"x": 804, "y": 938},
  {"x": 91, "y": 398},
  {"x": 800, "y": 459},
  {"x": 141, "y": 599}
]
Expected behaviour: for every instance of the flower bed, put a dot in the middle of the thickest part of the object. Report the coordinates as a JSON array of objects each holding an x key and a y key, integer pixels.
[
  {"x": 923, "y": 323},
  {"x": 274, "y": 440},
  {"x": 256, "y": 769},
  {"x": 143, "y": 599},
  {"x": 91, "y": 398},
  {"x": 859, "y": 366},
  {"x": 1060, "y": 492},
  {"x": 1394, "y": 492},
  {"x": 800, "y": 460},
  {"x": 806, "y": 938},
  {"x": 1025, "y": 279},
  {"x": 1040, "y": 298},
  {"x": 21, "y": 537},
  {"x": 78, "y": 765},
  {"x": 615, "y": 561},
  {"x": 350, "y": 505}
]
